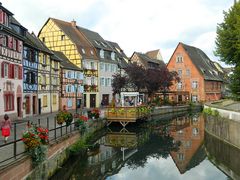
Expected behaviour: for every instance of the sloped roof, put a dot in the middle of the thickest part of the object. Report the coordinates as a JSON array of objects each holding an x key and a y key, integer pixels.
[
  {"x": 65, "y": 63},
  {"x": 77, "y": 37},
  {"x": 154, "y": 54},
  {"x": 96, "y": 40},
  {"x": 120, "y": 54},
  {"x": 39, "y": 44},
  {"x": 145, "y": 59},
  {"x": 203, "y": 63}
]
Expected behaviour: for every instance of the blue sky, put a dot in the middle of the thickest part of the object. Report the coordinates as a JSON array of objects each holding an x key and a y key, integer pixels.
[{"x": 136, "y": 25}]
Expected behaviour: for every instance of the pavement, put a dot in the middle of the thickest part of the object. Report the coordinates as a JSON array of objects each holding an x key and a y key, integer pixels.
[{"x": 19, "y": 126}]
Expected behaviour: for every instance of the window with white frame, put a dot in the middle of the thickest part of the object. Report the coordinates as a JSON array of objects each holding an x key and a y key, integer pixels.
[
  {"x": 16, "y": 71},
  {"x": 69, "y": 103},
  {"x": 179, "y": 85},
  {"x": 112, "y": 67},
  {"x": 106, "y": 67},
  {"x": 194, "y": 98},
  {"x": 69, "y": 88},
  {"x": 179, "y": 72},
  {"x": 102, "y": 81},
  {"x": 92, "y": 65},
  {"x": 69, "y": 74},
  {"x": 180, "y": 156},
  {"x": 92, "y": 81},
  {"x": 101, "y": 66},
  {"x": 5, "y": 70},
  {"x": 188, "y": 72},
  {"x": 179, "y": 58},
  {"x": 194, "y": 84},
  {"x": 113, "y": 55},
  {"x": 101, "y": 53},
  {"x": 83, "y": 51},
  {"x": 195, "y": 131}
]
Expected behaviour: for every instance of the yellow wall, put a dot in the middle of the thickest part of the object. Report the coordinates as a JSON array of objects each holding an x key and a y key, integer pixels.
[{"x": 52, "y": 35}]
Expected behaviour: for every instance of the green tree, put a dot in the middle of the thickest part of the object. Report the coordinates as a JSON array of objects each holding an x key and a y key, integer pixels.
[{"x": 228, "y": 44}]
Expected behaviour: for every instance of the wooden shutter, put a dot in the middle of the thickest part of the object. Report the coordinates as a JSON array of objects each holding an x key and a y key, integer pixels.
[
  {"x": 20, "y": 72},
  {"x": 12, "y": 70},
  {"x": 10, "y": 42},
  {"x": 9, "y": 70},
  {"x": 1, "y": 16},
  {"x": 2, "y": 69}
]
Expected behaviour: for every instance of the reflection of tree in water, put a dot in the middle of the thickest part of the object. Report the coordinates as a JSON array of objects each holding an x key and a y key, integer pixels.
[{"x": 157, "y": 146}]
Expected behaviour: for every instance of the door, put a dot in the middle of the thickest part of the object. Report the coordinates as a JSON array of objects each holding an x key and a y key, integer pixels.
[
  {"x": 19, "y": 102},
  {"x": 85, "y": 100},
  {"x": 179, "y": 98},
  {"x": 105, "y": 100},
  {"x": 79, "y": 103},
  {"x": 92, "y": 100},
  {"x": 34, "y": 105},
  {"x": 39, "y": 106},
  {"x": 27, "y": 105}
]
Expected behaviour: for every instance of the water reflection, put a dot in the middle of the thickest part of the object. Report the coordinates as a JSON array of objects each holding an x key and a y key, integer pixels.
[{"x": 156, "y": 150}]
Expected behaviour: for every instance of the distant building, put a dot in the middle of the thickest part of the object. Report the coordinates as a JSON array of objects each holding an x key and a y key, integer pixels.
[
  {"x": 200, "y": 79},
  {"x": 11, "y": 55},
  {"x": 71, "y": 78},
  {"x": 155, "y": 54},
  {"x": 145, "y": 61}
]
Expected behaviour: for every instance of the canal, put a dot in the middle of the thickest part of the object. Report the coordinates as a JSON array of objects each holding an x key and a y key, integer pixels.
[{"x": 166, "y": 148}]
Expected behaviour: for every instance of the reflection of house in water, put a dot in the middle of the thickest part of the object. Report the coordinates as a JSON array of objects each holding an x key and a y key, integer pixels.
[
  {"x": 115, "y": 148},
  {"x": 190, "y": 132}
]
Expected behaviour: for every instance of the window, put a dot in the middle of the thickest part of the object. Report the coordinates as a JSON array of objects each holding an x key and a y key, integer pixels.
[
  {"x": 180, "y": 72},
  {"x": 92, "y": 81},
  {"x": 43, "y": 39},
  {"x": 106, "y": 67},
  {"x": 188, "y": 72},
  {"x": 180, "y": 156},
  {"x": 44, "y": 58},
  {"x": 9, "y": 102},
  {"x": 69, "y": 103},
  {"x": 92, "y": 65},
  {"x": 194, "y": 84},
  {"x": 69, "y": 74},
  {"x": 102, "y": 81},
  {"x": 195, "y": 131},
  {"x": 5, "y": 69},
  {"x": 30, "y": 78},
  {"x": 14, "y": 44},
  {"x": 3, "y": 40},
  {"x": 16, "y": 68},
  {"x": 101, "y": 66},
  {"x": 194, "y": 98},
  {"x": 62, "y": 37},
  {"x": 69, "y": 88},
  {"x": 83, "y": 51},
  {"x": 179, "y": 58},
  {"x": 179, "y": 85},
  {"x": 44, "y": 100},
  {"x": 44, "y": 79},
  {"x": 112, "y": 67},
  {"x": 54, "y": 99},
  {"x": 55, "y": 64},
  {"x": 113, "y": 56},
  {"x": 91, "y": 51},
  {"x": 101, "y": 53}
]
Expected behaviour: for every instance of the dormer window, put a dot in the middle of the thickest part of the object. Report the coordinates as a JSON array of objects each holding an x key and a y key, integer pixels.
[
  {"x": 102, "y": 53},
  {"x": 96, "y": 42},
  {"x": 179, "y": 58},
  {"x": 91, "y": 52},
  {"x": 83, "y": 51},
  {"x": 104, "y": 44},
  {"x": 113, "y": 56}
]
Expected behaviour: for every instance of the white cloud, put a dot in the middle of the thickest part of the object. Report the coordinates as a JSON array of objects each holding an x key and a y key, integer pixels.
[{"x": 137, "y": 25}]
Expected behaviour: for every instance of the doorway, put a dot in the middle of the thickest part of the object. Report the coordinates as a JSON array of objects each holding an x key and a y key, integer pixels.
[
  {"x": 92, "y": 100},
  {"x": 105, "y": 100},
  {"x": 39, "y": 106},
  {"x": 34, "y": 105},
  {"x": 19, "y": 106},
  {"x": 28, "y": 105},
  {"x": 84, "y": 100}
]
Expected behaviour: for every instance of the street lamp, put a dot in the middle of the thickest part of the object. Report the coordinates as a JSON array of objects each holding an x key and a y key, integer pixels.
[{"x": 76, "y": 88}]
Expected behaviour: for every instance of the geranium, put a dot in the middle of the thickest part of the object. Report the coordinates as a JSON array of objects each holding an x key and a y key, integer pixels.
[
  {"x": 95, "y": 113},
  {"x": 83, "y": 118},
  {"x": 43, "y": 135}
]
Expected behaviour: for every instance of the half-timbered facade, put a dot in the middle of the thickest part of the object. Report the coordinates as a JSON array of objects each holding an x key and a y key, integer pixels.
[
  {"x": 71, "y": 80},
  {"x": 11, "y": 50},
  {"x": 66, "y": 37},
  {"x": 30, "y": 76}
]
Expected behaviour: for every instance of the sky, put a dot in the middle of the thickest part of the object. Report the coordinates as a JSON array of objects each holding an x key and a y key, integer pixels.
[{"x": 136, "y": 25}]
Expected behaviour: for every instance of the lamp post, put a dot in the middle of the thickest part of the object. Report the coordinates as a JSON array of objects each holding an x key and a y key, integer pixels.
[{"x": 76, "y": 88}]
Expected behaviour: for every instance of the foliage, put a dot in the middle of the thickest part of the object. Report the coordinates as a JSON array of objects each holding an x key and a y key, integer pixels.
[
  {"x": 94, "y": 113},
  {"x": 64, "y": 116},
  {"x": 210, "y": 112},
  {"x": 227, "y": 44},
  {"x": 80, "y": 121},
  {"x": 34, "y": 139},
  {"x": 118, "y": 83}
]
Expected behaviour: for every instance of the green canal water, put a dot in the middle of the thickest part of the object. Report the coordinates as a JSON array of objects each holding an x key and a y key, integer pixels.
[{"x": 165, "y": 148}]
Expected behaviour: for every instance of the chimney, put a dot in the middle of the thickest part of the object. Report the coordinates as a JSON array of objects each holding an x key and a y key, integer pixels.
[{"x": 73, "y": 22}]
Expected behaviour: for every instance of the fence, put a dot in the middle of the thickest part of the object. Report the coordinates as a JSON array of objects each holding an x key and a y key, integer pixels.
[{"x": 15, "y": 149}]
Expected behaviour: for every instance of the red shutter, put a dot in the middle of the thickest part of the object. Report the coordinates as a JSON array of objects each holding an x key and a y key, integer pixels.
[
  {"x": 12, "y": 73},
  {"x": 20, "y": 72},
  {"x": 10, "y": 42},
  {"x": 9, "y": 70},
  {"x": 17, "y": 45},
  {"x": 2, "y": 69},
  {"x": 1, "y": 16}
]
